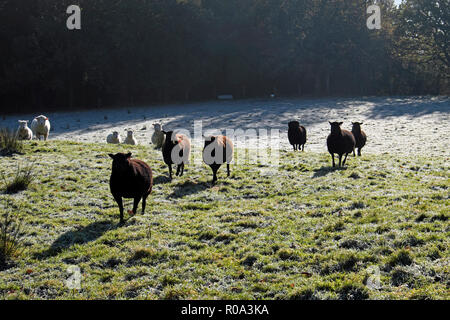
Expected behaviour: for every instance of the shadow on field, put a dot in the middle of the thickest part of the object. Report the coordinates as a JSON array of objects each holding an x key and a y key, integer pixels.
[
  {"x": 411, "y": 106},
  {"x": 188, "y": 188},
  {"x": 322, "y": 172},
  {"x": 243, "y": 114},
  {"x": 80, "y": 235},
  {"x": 215, "y": 115},
  {"x": 161, "y": 179}
]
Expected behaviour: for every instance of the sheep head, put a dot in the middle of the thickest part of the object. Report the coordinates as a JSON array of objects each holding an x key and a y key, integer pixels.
[
  {"x": 23, "y": 124},
  {"x": 209, "y": 140},
  {"x": 294, "y": 124},
  {"x": 121, "y": 161},
  {"x": 171, "y": 137},
  {"x": 157, "y": 127},
  {"x": 357, "y": 125},
  {"x": 336, "y": 127},
  {"x": 41, "y": 120}
]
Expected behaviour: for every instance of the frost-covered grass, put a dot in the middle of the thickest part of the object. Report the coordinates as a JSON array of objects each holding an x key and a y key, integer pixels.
[
  {"x": 308, "y": 232},
  {"x": 400, "y": 125},
  {"x": 19, "y": 180},
  {"x": 9, "y": 142}
]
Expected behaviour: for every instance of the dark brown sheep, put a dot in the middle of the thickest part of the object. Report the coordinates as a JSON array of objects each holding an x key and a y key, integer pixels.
[
  {"x": 360, "y": 137},
  {"x": 297, "y": 135},
  {"x": 217, "y": 151},
  {"x": 340, "y": 142},
  {"x": 130, "y": 179},
  {"x": 176, "y": 150}
]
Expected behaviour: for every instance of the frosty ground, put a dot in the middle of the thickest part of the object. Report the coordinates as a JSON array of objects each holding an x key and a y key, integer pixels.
[
  {"x": 377, "y": 229},
  {"x": 405, "y": 125}
]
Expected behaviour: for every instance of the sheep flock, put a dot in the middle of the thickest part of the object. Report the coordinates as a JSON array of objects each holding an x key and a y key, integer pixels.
[{"x": 132, "y": 178}]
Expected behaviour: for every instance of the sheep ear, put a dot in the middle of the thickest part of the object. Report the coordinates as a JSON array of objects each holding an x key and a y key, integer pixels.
[
  {"x": 128, "y": 155},
  {"x": 330, "y": 122},
  {"x": 46, "y": 119},
  {"x": 340, "y": 123},
  {"x": 111, "y": 156}
]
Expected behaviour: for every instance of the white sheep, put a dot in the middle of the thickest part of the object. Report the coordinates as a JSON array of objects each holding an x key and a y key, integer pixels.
[
  {"x": 158, "y": 136},
  {"x": 114, "y": 138},
  {"x": 23, "y": 132},
  {"x": 130, "y": 139},
  {"x": 41, "y": 127}
]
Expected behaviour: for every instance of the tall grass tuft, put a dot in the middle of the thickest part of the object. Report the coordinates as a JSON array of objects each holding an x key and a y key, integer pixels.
[
  {"x": 9, "y": 142},
  {"x": 21, "y": 180},
  {"x": 10, "y": 233}
]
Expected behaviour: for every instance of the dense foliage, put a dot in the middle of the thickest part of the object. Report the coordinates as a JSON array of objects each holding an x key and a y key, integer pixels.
[{"x": 144, "y": 51}]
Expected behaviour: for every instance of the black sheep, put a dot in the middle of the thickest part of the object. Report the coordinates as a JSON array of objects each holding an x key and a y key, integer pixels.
[
  {"x": 340, "y": 142},
  {"x": 297, "y": 135},
  {"x": 360, "y": 137},
  {"x": 130, "y": 179},
  {"x": 221, "y": 144},
  {"x": 176, "y": 150}
]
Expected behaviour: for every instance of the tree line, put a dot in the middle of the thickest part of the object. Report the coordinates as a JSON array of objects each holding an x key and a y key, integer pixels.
[{"x": 155, "y": 51}]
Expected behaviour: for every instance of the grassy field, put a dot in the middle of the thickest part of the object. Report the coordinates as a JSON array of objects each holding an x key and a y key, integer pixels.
[{"x": 308, "y": 232}]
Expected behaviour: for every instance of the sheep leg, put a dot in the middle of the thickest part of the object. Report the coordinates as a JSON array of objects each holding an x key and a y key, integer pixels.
[
  {"x": 182, "y": 169},
  {"x": 303, "y": 147},
  {"x": 178, "y": 170},
  {"x": 359, "y": 152},
  {"x": 228, "y": 170},
  {"x": 120, "y": 204},
  {"x": 332, "y": 157},
  {"x": 144, "y": 203},
  {"x": 345, "y": 159},
  {"x": 354, "y": 154},
  {"x": 340, "y": 160},
  {"x": 136, "y": 204},
  {"x": 214, "y": 176},
  {"x": 170, "y": 171}
]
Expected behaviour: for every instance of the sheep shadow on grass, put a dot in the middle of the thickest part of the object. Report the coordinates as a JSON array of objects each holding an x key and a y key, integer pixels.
[
  {"x": 79, "y": 235},
  {"x": 187, "y": 188},
  {"x": 161, "y": 180},
  {"x": 323, "y": 171}
]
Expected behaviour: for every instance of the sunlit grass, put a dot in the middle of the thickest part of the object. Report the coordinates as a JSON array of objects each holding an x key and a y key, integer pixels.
[{"x": 306, "y": 232}]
